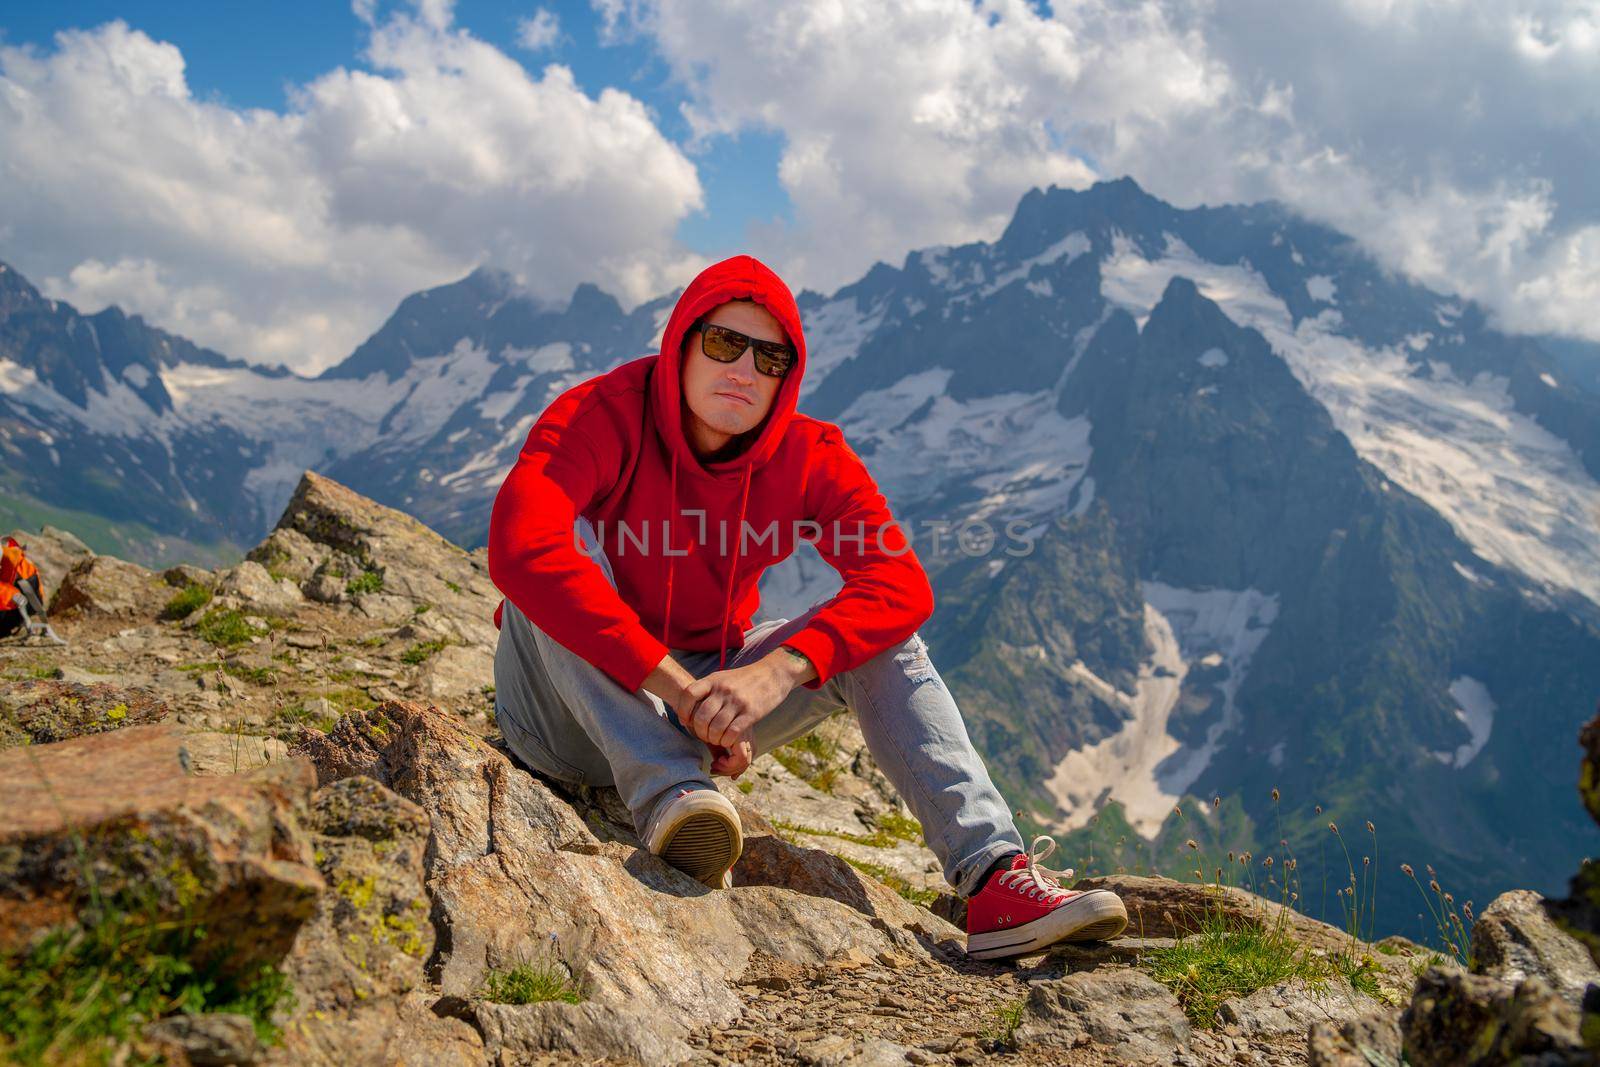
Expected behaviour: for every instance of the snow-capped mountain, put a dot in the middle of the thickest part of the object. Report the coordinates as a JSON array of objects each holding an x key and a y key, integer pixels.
[{"x": 1211, "y": 502}]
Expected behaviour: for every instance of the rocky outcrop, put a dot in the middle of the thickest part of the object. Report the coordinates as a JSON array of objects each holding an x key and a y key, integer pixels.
[
  {"x": 1514, "y": 939},
  {"x": 1579, "y": 913},
  {"x": 656, "y": 952},
  {"x": 1292, "y": 1008},
  {"x": 38, "y": 712},
  {"x": 138, "y": 834},
  {"x": 1457, "y": 1019},
  {"x": 357, "y": 964},
  {"x": 253, "y": 588},
  {"x": 341, "y": 547},
  {"x": 105, "y": 585},
  {"x": 1123, "y": 1010},
  {"x": 1362, "y": 1042}
]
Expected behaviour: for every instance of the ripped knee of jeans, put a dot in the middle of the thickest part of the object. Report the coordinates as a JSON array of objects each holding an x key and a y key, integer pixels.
[{"x": 912, "y": 658}]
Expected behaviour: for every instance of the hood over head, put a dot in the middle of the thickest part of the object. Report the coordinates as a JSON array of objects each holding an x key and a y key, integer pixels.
[{"x": 735, "y": 278}]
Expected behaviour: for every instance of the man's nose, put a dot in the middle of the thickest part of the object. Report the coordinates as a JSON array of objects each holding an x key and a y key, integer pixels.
[{"x": 744, "y": 368}]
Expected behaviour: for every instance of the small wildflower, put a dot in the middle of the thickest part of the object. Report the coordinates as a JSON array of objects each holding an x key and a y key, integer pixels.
[
  {"x": 1291, "y": 864},
  {"x": 1466, "y": 909},
  {"x": 1178, "y": 810},
  {"x": 1433, "y": 884},
  {"x": 1230, "y": 855},
  {"x": 1370, "y": 828},
  {"x": 1405, "y": 868},
  {"x": 1216, "y": 802},
  {"x": 1333, "y": 827},
  {"x": 1366, "y": 861},
  {"x": 1293, "y": 897},
  {"x": 1449, "y": 898},
  {"x": 1267, "y": 863},
  {"x": 1274, "y": 794},
  {"x": 1431, "y": 872},
  {"x": 1319, "y": 809},
  {"x": 1191, "y": 843}
]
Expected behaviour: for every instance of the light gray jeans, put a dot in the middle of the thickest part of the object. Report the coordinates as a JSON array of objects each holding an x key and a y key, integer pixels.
[{"x": 567, "y": 719}]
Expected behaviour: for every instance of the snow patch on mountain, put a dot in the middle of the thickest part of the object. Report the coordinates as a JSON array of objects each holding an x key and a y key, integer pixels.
[
  {"x": 1124, "y": 765},
  {"x": 835, "y": 333},
  {"x": 1017, "y": 448},
  {"x": 1511, "y": 489},
  {"x": 1069, "y": 248},
  {"x": 440, "y": 386},
  {"x": 1217, "y": 628},
  {"x": 1142, "y": 765},
  {"x": 546, "y": 359}
]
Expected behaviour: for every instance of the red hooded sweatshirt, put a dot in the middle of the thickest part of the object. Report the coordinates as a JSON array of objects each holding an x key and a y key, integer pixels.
[{"x": 613, "y": 450}]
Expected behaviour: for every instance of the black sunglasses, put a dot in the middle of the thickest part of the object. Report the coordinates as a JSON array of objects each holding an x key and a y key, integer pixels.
[{"x": 773, "y": 358}]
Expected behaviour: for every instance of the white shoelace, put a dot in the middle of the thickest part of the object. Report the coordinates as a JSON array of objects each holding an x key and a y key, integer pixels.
[{"x": 1045, "y": 882}]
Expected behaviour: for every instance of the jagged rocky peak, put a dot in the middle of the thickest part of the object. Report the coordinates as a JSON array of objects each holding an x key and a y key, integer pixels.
[{"x": 1044, "y": 217}]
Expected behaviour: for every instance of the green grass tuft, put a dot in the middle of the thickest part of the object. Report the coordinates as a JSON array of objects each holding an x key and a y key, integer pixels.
[
  {"x": 186, "y": 602},
  {"x": 227, "y": 627},
  {"x": 898, "y": 824},
  {"x": 369, "y": 581},
  {"x": 420, "y": 651},
  {"x": 811, "y": 759},
  {"x": 1227, "y": 959},
  {"x": 1002, "y": 1033},
  {"x": 78, "y": 993},
  {"x": 531, "y": 983},
  {"x": 924, "y": 897}
]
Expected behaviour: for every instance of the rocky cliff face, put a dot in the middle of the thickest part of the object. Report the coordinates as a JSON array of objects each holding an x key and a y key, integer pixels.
[{"x": 268, "y": 809}]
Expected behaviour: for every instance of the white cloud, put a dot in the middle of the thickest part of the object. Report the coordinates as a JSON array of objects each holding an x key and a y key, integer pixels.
[
  {"x": 539, "y": 31},
  {"x": 289, "y": 237},
  {"x": 1458, "y": 141}
]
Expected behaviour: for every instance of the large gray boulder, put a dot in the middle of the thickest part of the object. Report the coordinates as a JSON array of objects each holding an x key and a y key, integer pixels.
[
  {"x": 1515, "y": 939},
  {"x": 1121, "y": 1010},
  {"x": 1457, "y": 1019},
  {"x": 258, "y": 591}
]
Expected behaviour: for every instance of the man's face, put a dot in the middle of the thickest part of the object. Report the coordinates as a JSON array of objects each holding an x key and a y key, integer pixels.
[{"x": 726, "y": 399}]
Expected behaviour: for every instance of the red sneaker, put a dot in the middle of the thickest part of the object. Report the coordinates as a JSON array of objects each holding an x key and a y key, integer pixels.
[{"x": 1026, "y": 909}]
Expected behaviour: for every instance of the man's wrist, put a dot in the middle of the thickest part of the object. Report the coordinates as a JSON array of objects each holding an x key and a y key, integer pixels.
[{"x": 796, "y": 662}]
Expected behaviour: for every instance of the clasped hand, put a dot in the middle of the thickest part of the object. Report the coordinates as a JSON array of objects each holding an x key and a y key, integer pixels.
[{"x": 723, "y": 708}]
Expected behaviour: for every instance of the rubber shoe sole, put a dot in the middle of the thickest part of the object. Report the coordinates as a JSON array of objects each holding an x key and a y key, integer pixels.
[
  {"x": 699, "y": 834},
  {"x": 1095, "y": 916}
]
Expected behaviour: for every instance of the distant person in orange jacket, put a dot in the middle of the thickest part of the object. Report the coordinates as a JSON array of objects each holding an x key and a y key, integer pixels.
[{"x": 19, "y": 587}]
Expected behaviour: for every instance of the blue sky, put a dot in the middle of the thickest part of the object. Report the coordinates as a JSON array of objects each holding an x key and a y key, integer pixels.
[
  {"x": 249, "y": 55},
  {"x": 271, "y": 180}
]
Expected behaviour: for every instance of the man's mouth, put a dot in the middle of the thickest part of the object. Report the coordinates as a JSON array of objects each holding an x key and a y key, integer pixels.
[{"x": 737, "y": 396}]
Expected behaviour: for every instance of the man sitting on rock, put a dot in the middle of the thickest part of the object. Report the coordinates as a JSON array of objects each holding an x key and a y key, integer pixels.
[{"x": 628, "y": 541}]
